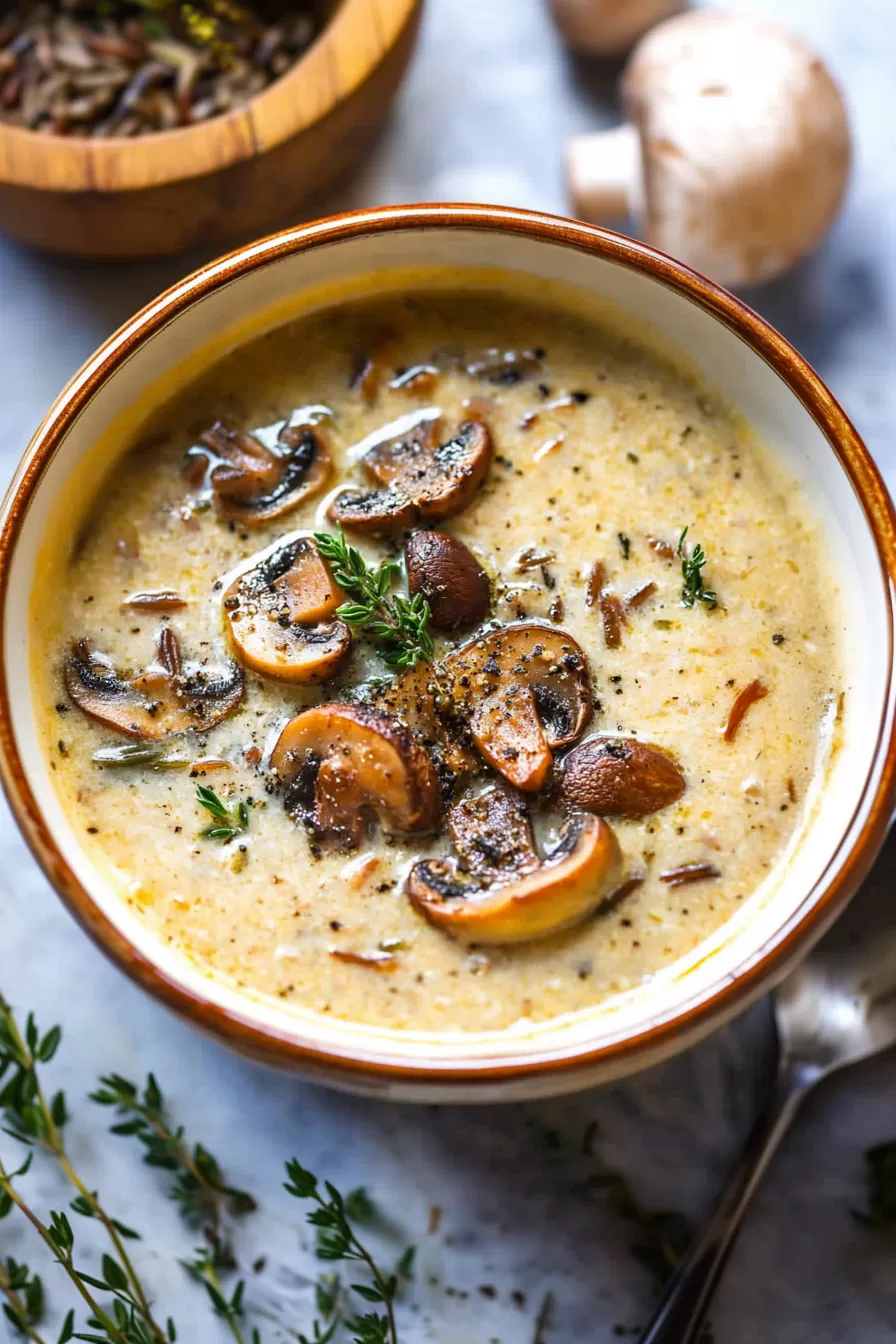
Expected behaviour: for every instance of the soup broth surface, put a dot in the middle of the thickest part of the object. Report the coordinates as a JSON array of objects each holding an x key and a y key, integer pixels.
[{"x": 602, "y": 453}]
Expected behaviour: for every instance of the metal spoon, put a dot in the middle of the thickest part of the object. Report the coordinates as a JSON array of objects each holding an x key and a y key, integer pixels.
[{"x": 839, "y": 1007}]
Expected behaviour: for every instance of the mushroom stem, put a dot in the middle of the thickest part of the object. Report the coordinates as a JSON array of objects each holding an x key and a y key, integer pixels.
[{"x": 606, "y": 176}]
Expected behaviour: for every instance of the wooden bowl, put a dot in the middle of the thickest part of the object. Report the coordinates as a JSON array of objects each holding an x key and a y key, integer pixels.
[{"x": 228, "y": 176}]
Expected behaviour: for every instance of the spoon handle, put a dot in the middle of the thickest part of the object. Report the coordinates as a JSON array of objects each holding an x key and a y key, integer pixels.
[{"x": 682, "y": 1312}]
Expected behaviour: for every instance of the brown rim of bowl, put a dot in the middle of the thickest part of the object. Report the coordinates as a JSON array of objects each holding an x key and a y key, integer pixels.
[
  {"x": 351, "y": 45},
  {"x": 848, "y": 864}
]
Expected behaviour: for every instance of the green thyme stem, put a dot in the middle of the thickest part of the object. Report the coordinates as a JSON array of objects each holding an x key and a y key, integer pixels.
[
  {"x": 210, "y": 1196},
  {"x": 126, "y": 1263},
  {"x": 61, "y": 1258},
  {"x": 400, "y": 625},
  {"x": 228, "y": 821},
  {"x": 207, "y": 1273},
  {"x": 199, "y": 1187},
  {"x": 336, "y": 1240},
  {"x": 53, "y": 1143},
  {"x": 19, "y": 1307},
  {"x": 693, "y": 587},
  {"x": 380, "y": 1281}
]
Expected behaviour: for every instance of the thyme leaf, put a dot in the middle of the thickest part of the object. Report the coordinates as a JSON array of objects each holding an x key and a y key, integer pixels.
[
  {"x": 228, "y": 821},
  {"x": 693, "y": 588},
  {"x": 398, "y": 624},
  {"x": 24, "y": 1294},
  {"x": 204, "y": 1268}
]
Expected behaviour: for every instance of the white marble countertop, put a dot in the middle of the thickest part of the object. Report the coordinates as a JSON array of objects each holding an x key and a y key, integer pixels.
[{"x": 483, "y": 115}]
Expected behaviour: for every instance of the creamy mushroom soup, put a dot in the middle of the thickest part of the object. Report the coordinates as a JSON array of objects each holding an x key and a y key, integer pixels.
[{"x": 441, "y": 662}]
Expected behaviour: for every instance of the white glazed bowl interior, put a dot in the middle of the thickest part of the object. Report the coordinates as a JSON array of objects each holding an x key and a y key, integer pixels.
[{"x": 727, "y": 364}]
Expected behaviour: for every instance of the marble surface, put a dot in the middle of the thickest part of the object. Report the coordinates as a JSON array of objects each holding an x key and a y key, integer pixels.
[{"x": 483, "y": 115}]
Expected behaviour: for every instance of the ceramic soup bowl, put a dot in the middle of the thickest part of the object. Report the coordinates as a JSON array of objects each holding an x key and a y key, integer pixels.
[{"x": 739, "y": 357}]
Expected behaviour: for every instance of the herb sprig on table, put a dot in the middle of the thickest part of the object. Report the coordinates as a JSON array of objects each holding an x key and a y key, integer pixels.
[
  {"x": 198, "y": 1186},
  {"x": 333, "y": 1215},
  {"x": 115, "y": 1302},
  {"x": 693, "y": 587},
  {"x": 399, "y": 625},
  {"x": 38, "y": 1123}
]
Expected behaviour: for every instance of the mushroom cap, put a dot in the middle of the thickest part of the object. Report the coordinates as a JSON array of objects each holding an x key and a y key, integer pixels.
[
  {"x": 451, "y": 579},
  {"x": 609, "y": 27},
  {"x": 417, "y": 480},
  {"x": 251, "y": 483},
  {"x": 167, "y": 698},
  {"x": 341, "y": 762},
  {"x": 517, "y": 897},
  {"x": 528, "y": 689},
  {"x": 745, "y": 144},
  {"x": 619, "y": 777},
  {"x": 281, "y": 615}
]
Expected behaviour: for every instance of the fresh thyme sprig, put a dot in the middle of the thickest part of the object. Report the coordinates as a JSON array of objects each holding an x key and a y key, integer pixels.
[
  {"x": 337, "y": 1240},
  {"x": 398, "y": 624},
  {"x": 228, "y": 821},
  {"x": 23, "y": 1292},
  {"x": 38, "y": 1123},
  {"x": 693, "y": 589},
  {"x": 198, "y": 1186},
  {"x": 124, "y": 1322},
  {"x": 204, "y": 1268},
  {"x": 203, "y": 1197}
]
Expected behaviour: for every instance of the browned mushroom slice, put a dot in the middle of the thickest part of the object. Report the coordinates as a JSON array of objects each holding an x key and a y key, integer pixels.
[
  {"x": 281, "y": 615},
  {"x": 528, "y": 691},
  {"x": 252, "y": 483},
  {"x": 413, "y": 699},
  {"x": 342, "y": 763},
  {"x": 449, "y": 576},
  {"x": 619, "y": 777},
  {"x": 168, "y": 697},
  {"x": 511, "y": 895},
  {"x": 374, "y": 511},
  {"x": 492, "y": 835},
  {"x": 418, "y": 481},
  {"x": 388, "y": 458}
]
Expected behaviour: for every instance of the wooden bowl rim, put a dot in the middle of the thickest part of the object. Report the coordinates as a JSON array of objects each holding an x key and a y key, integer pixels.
[{"x": 352, "y": 45}]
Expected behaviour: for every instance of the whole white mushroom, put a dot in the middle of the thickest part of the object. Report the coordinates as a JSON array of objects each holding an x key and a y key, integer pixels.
[
  {"x": 608, "y": 27},
  {"x": 735, "y": 153}
]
